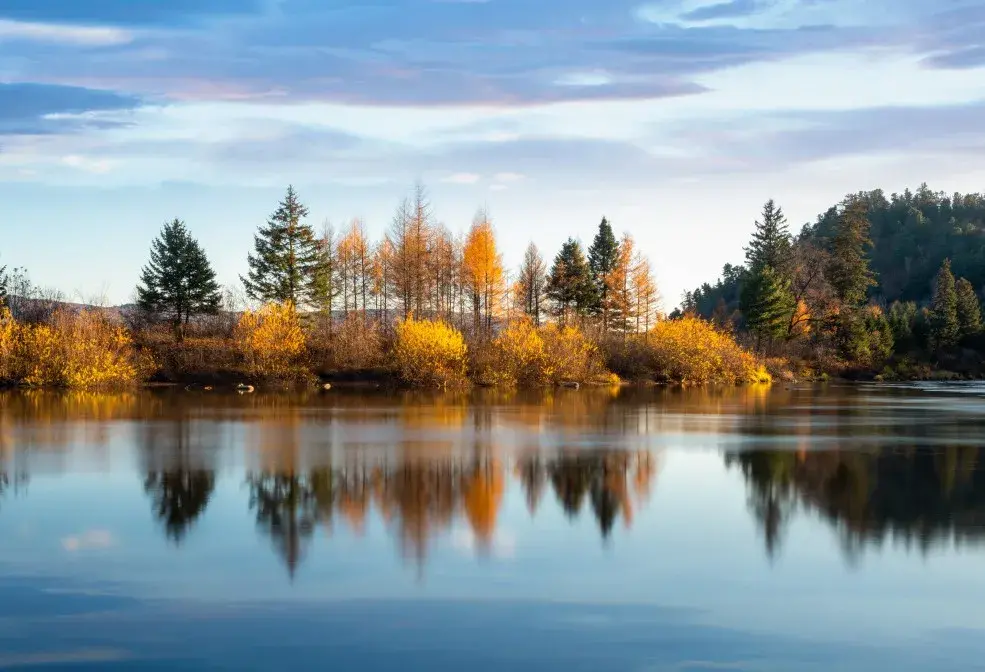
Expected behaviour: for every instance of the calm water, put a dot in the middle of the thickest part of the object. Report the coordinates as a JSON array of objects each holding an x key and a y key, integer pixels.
[{"x": 796, "y": 529}]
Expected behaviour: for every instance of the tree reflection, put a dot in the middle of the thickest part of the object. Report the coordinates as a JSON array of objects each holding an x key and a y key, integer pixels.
[
  {"x": 179, "y": 497},
  {"x": 917, "y": 497}
]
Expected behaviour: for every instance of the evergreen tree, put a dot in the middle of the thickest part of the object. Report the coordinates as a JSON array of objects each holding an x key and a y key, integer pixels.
[
  {"x": 569, "y": 283},
  {"x": 848, "y": 270},
  {"x": 945, "y": 329},
  {"x": 770, "y": 244},
  {"x": 4, "y": 280},
  {"x": 532, "y": 280},
  {"x": 603, "y": 256},
  {"x": 286, "y": 264},
  {"x": 179, "y": 281},
  {"x": 969, "y": 309},
  {"x": 767, "y": 303}
]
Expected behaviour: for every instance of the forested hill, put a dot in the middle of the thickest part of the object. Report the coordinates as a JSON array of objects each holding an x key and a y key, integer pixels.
[{"x": 912, "y": 233}]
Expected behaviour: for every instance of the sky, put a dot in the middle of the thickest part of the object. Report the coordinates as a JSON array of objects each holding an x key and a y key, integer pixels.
[{"x": 675, "y": 119}]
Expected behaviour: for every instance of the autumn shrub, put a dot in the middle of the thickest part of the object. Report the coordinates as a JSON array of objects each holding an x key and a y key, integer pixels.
[
  {"x": 272, "y": 342},
  {"x": 692, "y": 351},
  {"x": 76, "y": 349},
  {"x": 571, "y": 356},
  {"x": 429, "y": 353},
  {"x": 516, "y": 357},
  {"x": 355, "y": 344}
]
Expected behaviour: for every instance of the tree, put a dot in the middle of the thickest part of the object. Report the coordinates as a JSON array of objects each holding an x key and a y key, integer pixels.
[
  {"x": 767, "y": 303},
  {"x": 482, "y": 269},
  {"x": 619, "y": 283},
  {"x": 969, "y": 309},
  {"x": 770, "y": 244},
  {"x": 3, "y": 286},
  {"x": 410, "y": 235},
  {"x": 848, "y": 270},
  {"x": 569, "y": 283},
  {"x": 532, "y": 280},
  {"x": 945, "y": 329},
  {"x": 179, "y": 281},
  {"x": 644, "y": 289},
  {"x": 326, "y": 284},
  {"x": 285, "y": 266},
  {"x": 603, "y": 256}
]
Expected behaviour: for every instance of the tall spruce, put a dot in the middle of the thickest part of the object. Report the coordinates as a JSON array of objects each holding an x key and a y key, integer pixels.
[
  {"x": 532, "y": 281},
  {"x": 767, "y": 303},
  {"x": 969, "y": 309},
  {"x": 603, "y": 256},
  {"x": 848, "y": 270},
  {"x": 945, "y": 329},
  {"x": 178, "y": 282},
  {"x": 4, "y": 281},
  {"x": 569, "y": 283},
  {"x": 287, "y": 259},
  {"x": 770, "y": 244}
]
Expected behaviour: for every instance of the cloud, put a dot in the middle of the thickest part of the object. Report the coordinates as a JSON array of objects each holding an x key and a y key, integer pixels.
[
  {"x": 722, "y": 10},
  {"x": 87, "y": 164},
  {"x": 27, "y": 109},
  {"x": 462, "y": 178},
  {"x": 88, "y": 540},
  {"x": 63, "y": 34}
]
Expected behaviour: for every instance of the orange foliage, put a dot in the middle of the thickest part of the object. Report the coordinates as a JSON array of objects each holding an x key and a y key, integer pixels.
[{"x": 482, "y": 496}]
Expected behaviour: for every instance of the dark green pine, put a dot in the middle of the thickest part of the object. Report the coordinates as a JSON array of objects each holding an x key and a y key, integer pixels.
[
  {"x": 286, "y": 259},
  {"x": 945, "y": 329},
  {"x": 178, "y": 282},
  {"x": 770, "y": 244},
  {"x": 569, "y": 283},
  {"x": 603, "y": 255}
]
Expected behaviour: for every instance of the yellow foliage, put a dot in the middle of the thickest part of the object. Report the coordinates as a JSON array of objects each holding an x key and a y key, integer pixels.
[
  {"x": 692, "y": 351},
  {"x": 429, "y": 353},
  {"x": 272, "y": 341},
  {"x": 526, "y": 356},
  {"x": 78, "y": 349}
]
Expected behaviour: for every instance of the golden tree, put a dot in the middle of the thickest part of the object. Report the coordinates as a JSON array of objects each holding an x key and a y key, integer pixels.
[{"x": 482, "y": 270}]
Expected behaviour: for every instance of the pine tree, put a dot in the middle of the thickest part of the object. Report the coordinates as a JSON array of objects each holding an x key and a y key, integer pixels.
[
  {"x": 4, "y": 281},
  {"x": 969, "y": 309},
  {"x": 326, "y": 286},
  {"x": 603, "y": 255},
  {"x": 767, "y": 303},
  {"x": 848, "y": 269},
  {"x": 179, "y": 281},
  {"x": 285, "y": 265},
  {"x": 945, "y": 329},
  {"x": 569, "y": 283},
  {"x": 770, "y": 244},
  {"x": 533, "y": 278}
]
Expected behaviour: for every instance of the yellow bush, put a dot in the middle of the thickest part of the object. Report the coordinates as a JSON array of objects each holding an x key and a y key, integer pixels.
[
  {"x": 429, "y": 353},
  {"x": 571, "y": 356},
  {"x": 272, "y": 341},
  {"x": 693, "y": 351},
  {"x": 78, "y": 349},
  {"x": 518, "y": 356}
]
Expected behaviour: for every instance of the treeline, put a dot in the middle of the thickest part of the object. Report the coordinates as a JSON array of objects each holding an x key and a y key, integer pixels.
[{"x": 875, "y": 285}]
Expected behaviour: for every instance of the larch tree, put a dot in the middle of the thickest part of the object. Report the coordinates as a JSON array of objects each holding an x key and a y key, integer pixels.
[
  {"x": 178, "y": 282},
  {"x": 327, "y": 272},
  {"x": 603, "y": 255},
  {"x": 644, "y": 291},
  {"x": 569, "y": 283},
  {"x": 482, "y": 269},
  {"x": 619, "y": 287},
  {"x": 285, "y": 261},
  {"x": 410, "y": 236},
  {"x": 383, "y": 277},
  {"x": 945, "y": 329},
  {"x": 531, "y": 283},
  {"x": 969, "y": 309}
]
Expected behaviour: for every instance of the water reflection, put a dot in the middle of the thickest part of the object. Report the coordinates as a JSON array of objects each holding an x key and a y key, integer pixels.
[{"x": 922, "y": 498}]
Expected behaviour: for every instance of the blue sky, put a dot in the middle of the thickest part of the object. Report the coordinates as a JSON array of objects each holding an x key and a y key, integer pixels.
[{"x": 674, "y": 118}]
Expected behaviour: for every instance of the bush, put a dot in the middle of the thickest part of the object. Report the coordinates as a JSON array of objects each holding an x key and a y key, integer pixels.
[
  {"x": 517, "y": 357},
  {"x": 272, "y": 342},
  {"x": 354, "y": 345},
  {"x": 429, "y": 353},
  {"x": 77, "y": 349},
  {"x": 571, "y": 356},
  {"x": 692, "y": 351}
]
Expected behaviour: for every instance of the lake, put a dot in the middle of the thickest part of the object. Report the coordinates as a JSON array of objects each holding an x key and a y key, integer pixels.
[{"x": 798, "y": 528}]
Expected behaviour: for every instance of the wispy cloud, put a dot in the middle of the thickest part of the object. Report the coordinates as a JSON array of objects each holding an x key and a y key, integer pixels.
[
  {"x": 462, "y": 178},
  {"x": 89, "y": 36}
]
